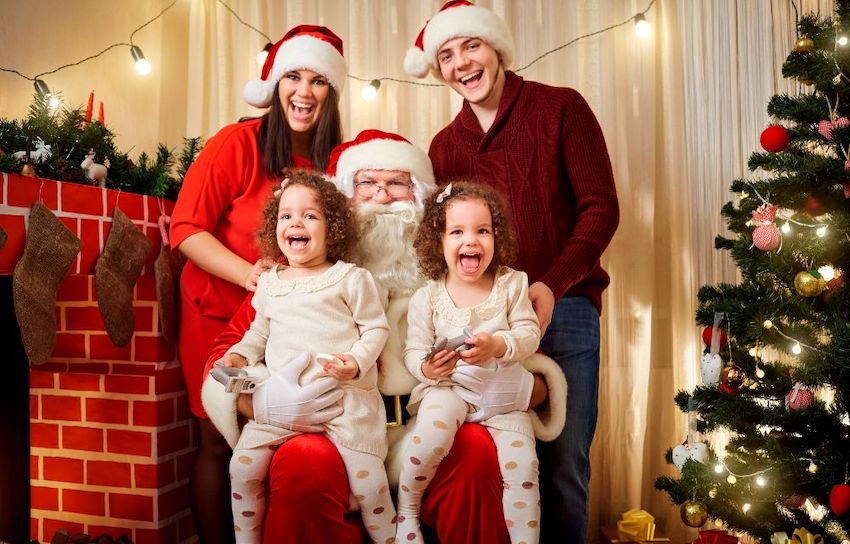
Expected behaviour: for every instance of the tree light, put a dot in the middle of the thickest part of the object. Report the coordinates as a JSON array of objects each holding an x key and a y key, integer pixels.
[
  {"x": 731, "y": 479},
  {"x": 813, "y": 467},
  {"x": 642, "y": 27},
  {"x": 796, "y": 349},
  {"x": 41, "y": 87},
  {"x": 370, "y": 91},
  {"x": 746, "y": 507},
  {"x": 842, "y": 40},
  {"x": 767, "y": 324},
  {"x": 263, "y": 55},
  {"x": 821, "y": 231},
  {"x": 761, "y": 481},
  {"x": 785, "y": 228},
  {"x": 143, "y": 65},
  {"x": 718, "y": 468},
  {"x": 827, "y": 272},
  {"x": 54, "y": 102}
]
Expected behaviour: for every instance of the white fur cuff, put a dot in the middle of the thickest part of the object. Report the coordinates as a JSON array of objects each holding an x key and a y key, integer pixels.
[
  {"x": 221, "y": 407},
  {"x": 549, "y": 423}
]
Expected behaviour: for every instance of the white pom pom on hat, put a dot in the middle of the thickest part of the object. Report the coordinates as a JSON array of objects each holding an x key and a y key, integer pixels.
[
  {"x": 457, "y": 19},
  {"x": 305, "y": 47}
]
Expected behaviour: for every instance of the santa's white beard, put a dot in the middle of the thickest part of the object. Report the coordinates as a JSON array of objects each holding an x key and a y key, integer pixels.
[{"x": 386, "y": 245}]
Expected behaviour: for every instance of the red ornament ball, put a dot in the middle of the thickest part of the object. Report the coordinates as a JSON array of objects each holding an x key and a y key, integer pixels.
[
  {"x": 839, "y": 499},
  {"x": 774, "y": 138},
  {"x": 706, "y": 337}
]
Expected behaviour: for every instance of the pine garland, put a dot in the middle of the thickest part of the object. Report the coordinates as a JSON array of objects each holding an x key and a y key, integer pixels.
[{"x": 70, "y": 138}]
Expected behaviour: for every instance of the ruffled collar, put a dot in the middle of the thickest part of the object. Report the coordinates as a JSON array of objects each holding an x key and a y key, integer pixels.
[
  {"x": 277, "y": 286},
  {"x": 495, "y": 303}
]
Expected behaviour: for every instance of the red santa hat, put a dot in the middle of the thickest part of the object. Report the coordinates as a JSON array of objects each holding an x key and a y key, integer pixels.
[
  {"x": 305, "y": 47},
  {"x": 378, "y": 150},
  {"x": 457, "y": 19}
]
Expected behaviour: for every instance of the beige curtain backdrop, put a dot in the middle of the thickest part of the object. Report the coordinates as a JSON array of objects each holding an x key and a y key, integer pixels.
[{"x": 681, "y": 111}]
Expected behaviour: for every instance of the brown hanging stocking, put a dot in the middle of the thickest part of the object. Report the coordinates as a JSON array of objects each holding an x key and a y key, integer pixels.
[
  {"x": 50, "y": 250},
  {"x": 115, "y": 274},
  {"x": 165, "y": 294}
]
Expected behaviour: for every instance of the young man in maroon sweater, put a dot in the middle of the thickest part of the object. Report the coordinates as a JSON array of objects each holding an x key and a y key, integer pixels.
[{"x": 541, "y": 147}]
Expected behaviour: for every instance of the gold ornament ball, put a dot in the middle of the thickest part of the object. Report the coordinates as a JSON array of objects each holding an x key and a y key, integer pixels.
[
  {"x": 804, "y": 45},
  {"x": 808, "y": 285},
  {"x": 693, "y": 513},
  {"x": 732, "y": 376}
]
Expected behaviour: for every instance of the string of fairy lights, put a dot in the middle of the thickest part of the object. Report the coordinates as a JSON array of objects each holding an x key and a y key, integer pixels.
[{"x": 369, "y": 91}]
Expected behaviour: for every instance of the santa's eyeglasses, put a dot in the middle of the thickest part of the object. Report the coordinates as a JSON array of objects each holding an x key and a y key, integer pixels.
[{"x": 394, "y": 189}]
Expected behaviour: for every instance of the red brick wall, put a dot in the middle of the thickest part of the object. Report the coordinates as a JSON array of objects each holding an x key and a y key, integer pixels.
[{"x": 111, "y": 433}]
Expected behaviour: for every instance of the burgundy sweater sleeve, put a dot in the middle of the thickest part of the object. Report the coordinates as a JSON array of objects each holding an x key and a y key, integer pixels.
[
  {"x": 592, "y": 179},
  {"x": 232, "y": 333}
]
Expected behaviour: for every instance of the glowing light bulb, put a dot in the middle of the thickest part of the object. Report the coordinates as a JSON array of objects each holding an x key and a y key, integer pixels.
[
  {"x": 785, "y": 228},
  {"x": 796, "y": 349},
  {"x": 827, "y": 272},
  {"x": 143, "y": 65},
  {"x": 842, "y": 41},
  {"x": 759, "y": 373},
  {"x": 767, "y": 324},
  {"x": 731, "y": 479},
  {"x": 370, "y": 91},
  {"x": 718, "y": 468},
  {"x": 761, "y": 481},
  {"x": 263, "y": 55},
  {"x": 753, "y": 352},
  {"x": 821, "y": 231},
  {"x": 746, "y": 507},
  {"x": 54, "y": 102},
  {"x": 642, "y": 27},
  {"x": 813, "y": 467}
]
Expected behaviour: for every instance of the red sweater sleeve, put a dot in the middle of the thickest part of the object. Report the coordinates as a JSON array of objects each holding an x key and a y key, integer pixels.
[
  {"x": 597, "y": 212},
  {"x": 232, "y": 333}
]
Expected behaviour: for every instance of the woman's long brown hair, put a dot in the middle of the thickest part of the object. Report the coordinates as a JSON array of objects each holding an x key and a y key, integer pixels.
[{"x": 276, "y": 142}]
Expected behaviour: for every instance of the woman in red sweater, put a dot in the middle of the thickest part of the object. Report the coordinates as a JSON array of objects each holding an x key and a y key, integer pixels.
[{"x": 218, "y": 213}]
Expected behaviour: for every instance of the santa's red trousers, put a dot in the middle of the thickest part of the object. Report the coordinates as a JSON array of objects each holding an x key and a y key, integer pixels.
[{"x": 309, "y": 494}]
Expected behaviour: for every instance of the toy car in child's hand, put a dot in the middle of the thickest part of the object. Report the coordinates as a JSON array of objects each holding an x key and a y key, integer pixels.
[
  {"x": 234, "y": 380},
  {"x": 458, "y": 343}
]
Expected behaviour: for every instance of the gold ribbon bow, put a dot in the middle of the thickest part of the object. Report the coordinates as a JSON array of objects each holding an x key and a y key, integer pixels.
[
  {"x": 803, "y": 536},
  {"x": 637, "y": 525}
]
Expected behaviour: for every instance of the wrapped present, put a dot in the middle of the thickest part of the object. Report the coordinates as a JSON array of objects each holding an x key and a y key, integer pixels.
[
  {"x": 803, "y": 536},
  {"x": 637, "y": 525},
  {"x": 609, "y": 535},
  {"x": 715, "y": 536}
]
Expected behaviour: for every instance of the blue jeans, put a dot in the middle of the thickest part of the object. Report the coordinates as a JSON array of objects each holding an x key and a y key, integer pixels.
[{"x": 572, "y": 340}]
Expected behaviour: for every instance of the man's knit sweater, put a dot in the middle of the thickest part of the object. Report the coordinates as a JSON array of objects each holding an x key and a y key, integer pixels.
[{"x": 546, "y": 156}]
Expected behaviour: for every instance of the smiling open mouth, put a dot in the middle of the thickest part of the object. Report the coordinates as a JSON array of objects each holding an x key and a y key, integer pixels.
[
  {"x": 297, "y": 242},
  {"x": 471, "y": 78},
  {"x": 470, "y": 262}
]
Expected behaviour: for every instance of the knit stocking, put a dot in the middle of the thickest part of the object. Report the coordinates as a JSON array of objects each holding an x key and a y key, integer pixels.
[
  {"x": 115, "y": 274},
  {"x": 165, "y": 289},
  {"x": 50, "y": 250}
]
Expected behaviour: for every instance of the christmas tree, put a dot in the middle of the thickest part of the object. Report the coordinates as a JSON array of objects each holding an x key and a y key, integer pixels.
[{"x": 776, "y": 372}]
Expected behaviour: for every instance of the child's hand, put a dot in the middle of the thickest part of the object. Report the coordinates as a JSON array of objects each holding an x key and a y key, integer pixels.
[
  {"x": 235, "y": 360},
  {"x": 344, "y": 372},
  {"x": 440, "y": 365},
  {"x": 259, "y": 267},
  {"x": 485, "y": 348}
]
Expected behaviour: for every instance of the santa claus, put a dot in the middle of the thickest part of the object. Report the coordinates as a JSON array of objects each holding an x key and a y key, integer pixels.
[{"x": 386, "y": 179}]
